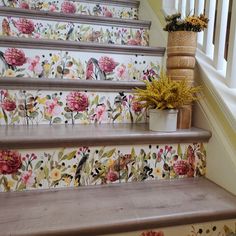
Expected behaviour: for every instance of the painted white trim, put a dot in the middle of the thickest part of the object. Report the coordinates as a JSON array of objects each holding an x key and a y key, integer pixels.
[
  {"x": 218, "y": 130},
  {"x": 215, "y": 82}
]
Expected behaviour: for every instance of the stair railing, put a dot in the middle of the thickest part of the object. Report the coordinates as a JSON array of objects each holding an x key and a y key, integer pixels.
[{"x": 218, "y": 41}]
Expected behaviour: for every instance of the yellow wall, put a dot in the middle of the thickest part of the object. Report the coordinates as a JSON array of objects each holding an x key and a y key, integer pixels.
[{"x": 156, "y": 5}]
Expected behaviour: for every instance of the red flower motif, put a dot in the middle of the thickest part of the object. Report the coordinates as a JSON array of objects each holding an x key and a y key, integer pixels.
[
  {"x": 133, "y": 42},
  {"x": 152, "y": 233},
  {"x": 8, "y": 104},
  {"x": 25, "y": 26},
  {"x": 24, "y": 5},
  {"x": 15, "y": 57},
  {"x": 181, "y": 167},
  {"x": 137, "y": 106},
  {"x": 68, "y": 7},
  {"x": 107, "y": 64},
  {"x": 77, "y": 101},
  {"x": 10, "y": 162},
  {"x": 112, "y": 176},
  {"x": 108, "y": 13}
]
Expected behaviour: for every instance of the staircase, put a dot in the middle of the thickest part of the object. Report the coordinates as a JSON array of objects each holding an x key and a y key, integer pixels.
[{"x": 76, "y": 155}]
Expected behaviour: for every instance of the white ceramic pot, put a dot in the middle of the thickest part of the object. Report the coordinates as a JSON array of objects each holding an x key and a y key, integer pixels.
[{"x": 163, "y": 120}]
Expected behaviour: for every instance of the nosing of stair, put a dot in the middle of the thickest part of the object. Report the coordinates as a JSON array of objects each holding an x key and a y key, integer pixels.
[
  {"x": 80, "y": 46},
  {"x": 131, "y": 3},
  {"x": 76, "y": 18},
  {"x": 66, "y": 84},
  {"x": 97, "y": 134}
]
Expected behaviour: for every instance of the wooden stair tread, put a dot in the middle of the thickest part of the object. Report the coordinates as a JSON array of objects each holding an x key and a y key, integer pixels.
[
  {"x": 6, "y": 41},
  {"x": 114, "y": 208},
  {"x": 102, "y": 134},
  {"x": 72, "y": 84},
  {"x": 75, "y": 18}
]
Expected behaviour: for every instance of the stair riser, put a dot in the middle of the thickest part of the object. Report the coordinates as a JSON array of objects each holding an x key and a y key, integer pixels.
[
  {"x": 32, "y": 107},
  {"x": 57, "y": 167},
  {"x": 77, "y": 7},
  {"x": 216, "y": 228},
  {"x": 37, "y": 63},
  {"x": 45, "y": 29}
]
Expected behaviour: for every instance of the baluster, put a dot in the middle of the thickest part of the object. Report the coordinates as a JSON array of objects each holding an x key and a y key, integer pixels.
[
  {"x": 231, "y": 64},
  {"x": 199, "y": 9},
  {"x": 190, "y": 7},
  {"x": 182, "y": 7},
  {"x": 210, "y": 12},
  {"x": 220, "y": 34}
]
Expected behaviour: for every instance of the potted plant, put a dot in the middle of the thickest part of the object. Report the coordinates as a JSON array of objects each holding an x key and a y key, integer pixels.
[{"x": 163, "y": 97}]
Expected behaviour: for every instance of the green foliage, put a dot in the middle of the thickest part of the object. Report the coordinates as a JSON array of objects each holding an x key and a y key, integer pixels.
[{"x": 164, "y": 93}]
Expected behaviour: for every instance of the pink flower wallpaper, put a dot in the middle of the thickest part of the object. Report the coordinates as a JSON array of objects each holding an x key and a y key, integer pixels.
[{"x": 75, "y": 7}]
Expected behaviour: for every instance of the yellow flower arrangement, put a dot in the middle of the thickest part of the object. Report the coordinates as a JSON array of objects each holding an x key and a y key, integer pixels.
[
  {"x": 190, "y": 23},
  {"x": 164, "y": 93}
]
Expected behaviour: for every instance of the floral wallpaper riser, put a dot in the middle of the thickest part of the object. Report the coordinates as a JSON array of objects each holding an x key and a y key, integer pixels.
[
  {"x": 80, "y": 166},
  {"x": 21, "y": 107},
  {"x": 74, "y": 7},
  {"x": 217, "y": 228},
  {"x": 41, "y": 29},
  {"x": 38, "y": 63}
]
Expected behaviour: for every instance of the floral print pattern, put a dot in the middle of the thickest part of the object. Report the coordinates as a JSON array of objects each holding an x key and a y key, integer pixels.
[
  {"x": 217, "y": 228},
  {"x": 41, "y": 29},
  {"x": 80, "y": 166},
  {"x": 75, "y": 7},
  {"x": 21, "y": 107},
  {"x": 51, "y": 64}
]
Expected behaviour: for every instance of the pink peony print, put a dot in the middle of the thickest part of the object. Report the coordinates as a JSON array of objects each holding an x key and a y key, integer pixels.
[
  {"x": 8, "y": 104},
  {"x": 52, "y": 8},
  {"x": 112, "y": 176},
  {"x": 52, "y": 107},
  {"x": 137, "y": 106},
  {"x": 68, "y": 7},
  {"x": 121, "y": 71},
  {"x": 77, "y": 101},
  {"x": 15, "y": 57},
  {"x": 107, "y": 13},
  {"x": 35, "y": 65},
  {"x": 27, "y": 178},
  {"x": 10, "y": 162},
  {"x": 100, "y": 112},
  {"x": 25, "y": 26},
  {"x": 24, "y": 5},
  {"x": 107, "y": 64},
  {"x": 181, "y": 167}
]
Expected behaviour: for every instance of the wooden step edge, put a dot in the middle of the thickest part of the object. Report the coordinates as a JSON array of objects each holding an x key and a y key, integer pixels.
[
  {"x": 75, "y": 18},
  {"x": 67, "y": 84},
  {"x": 80, "y": 46},
  {"x": 120, "y": 208},
  {"x": 42, "y": 136},
  {"x": 130, "y": 3}
]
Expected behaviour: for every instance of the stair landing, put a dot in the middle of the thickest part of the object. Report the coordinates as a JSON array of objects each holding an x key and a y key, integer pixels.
[{"x": 114, "y": 208}]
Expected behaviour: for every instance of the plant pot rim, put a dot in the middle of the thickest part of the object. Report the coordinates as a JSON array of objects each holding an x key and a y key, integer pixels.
[{"x": 166, "y": 111}]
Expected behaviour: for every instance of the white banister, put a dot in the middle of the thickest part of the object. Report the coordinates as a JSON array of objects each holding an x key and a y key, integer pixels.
[
  {"x": 231, "y": 64},
  {"x": 182, "y": 8},
  {"x": 208, "y": 46},
  {"x": 190, "y": 7},
  {"x": 199, "y": 9},
  {"x": 220, "y": 34}
]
